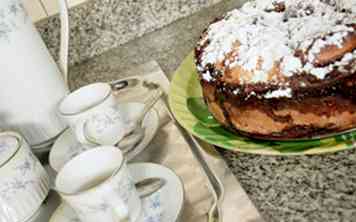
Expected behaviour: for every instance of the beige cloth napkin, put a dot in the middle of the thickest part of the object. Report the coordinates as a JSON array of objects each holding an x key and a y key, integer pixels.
[{"x": 170, "y": 149}]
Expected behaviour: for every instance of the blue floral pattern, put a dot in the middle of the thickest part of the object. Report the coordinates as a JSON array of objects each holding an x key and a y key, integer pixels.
[
  {"x": 9, "y": 188},
  {"x": 124, "y": 189},
  {"x": 125, "y": 184},
  {"x": 152, "y": 208},
  {"x": 3, "y": 147},
  {"x": 10, "y": 17},
  {"x": 105, "y": 120},
  {"x": 156, "y": 202},
  {"x": 27, "y": 165}
]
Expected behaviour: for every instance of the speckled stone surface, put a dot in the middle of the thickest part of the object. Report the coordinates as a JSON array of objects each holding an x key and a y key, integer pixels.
[
  {"x": 306, "y": 188},
  {"x": 99, "y": 25},
  {"x": 168, "y": 46}
]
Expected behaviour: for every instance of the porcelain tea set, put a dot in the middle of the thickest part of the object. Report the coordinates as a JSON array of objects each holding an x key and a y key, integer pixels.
[{"x": 94, "y": 137}]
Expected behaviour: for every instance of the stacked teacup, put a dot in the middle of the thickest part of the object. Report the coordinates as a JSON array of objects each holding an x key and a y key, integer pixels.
[
  {"x": 98, "y": 186},
  {"x": 24, "y": 183},
  {"x": 96, "y": 183},
  {"x": 92, "y": 114}
]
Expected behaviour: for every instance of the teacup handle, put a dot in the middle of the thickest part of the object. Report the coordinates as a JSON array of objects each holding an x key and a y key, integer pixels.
[{"x": 80, "y": 133}]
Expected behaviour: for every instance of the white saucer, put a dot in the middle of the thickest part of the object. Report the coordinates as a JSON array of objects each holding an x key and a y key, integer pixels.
[
  {"x": 66, "y": 146},
  {"x": 165, "y": 205}
]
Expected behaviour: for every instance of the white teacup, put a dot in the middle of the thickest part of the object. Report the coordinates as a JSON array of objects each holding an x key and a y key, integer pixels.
[
  {"x": 99, "y": 192},
  {"x": 24, "y": 183},
  {"x": 92, "y": 114}
]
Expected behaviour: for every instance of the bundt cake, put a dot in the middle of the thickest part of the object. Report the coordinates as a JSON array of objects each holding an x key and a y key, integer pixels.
[{"x": 281, "y": 69}]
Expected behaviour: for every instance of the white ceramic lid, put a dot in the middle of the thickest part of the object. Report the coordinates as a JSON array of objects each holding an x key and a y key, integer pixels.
[{"x": 9, "y": 144}]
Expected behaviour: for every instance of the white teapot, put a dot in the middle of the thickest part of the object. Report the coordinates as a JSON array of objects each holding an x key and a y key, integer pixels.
[{"x": 31, "y": 84}]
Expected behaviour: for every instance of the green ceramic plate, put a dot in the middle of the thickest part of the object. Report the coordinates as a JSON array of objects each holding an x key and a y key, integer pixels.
[{"x": 186, "y": 102}]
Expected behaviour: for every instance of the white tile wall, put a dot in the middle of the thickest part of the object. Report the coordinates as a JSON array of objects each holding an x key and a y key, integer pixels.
[{"x": 39, "y": 9}]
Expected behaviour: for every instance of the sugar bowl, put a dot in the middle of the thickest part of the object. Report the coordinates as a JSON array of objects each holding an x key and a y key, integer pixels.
[{"x": 24, "y": 183}]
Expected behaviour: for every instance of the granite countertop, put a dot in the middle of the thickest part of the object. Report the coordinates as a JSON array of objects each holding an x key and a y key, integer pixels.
[{"x": 298, "y": 188}]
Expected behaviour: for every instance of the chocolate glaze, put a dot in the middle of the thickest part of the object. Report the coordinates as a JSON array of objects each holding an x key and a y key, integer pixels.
[
  {"x": 322, "y": 100},
  {"x": 321, "y": 106},
  {"x": 343, "y": 85}
]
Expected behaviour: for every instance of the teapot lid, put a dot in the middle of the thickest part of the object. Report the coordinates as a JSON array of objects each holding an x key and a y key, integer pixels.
[{"x": 9, "y": 145}]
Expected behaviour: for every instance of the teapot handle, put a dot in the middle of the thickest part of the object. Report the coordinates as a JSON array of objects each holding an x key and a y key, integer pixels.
[{"x": 64, "y": 45}]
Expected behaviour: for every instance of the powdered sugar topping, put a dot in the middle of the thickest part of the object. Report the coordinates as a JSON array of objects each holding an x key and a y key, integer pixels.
[
  {"x": 262, "y": 39},
  {"x": 287, "y": 92}
]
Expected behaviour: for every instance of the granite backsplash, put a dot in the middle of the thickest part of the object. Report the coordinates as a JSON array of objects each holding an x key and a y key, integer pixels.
[{"x": 99, "y": 25}]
